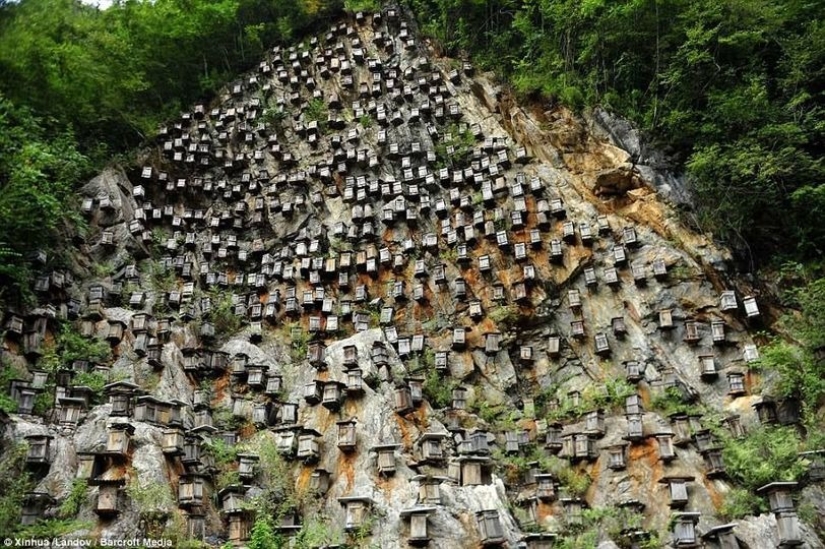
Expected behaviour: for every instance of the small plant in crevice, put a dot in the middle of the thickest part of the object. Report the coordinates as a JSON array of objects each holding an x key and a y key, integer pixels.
[
  {"x": 52, "y": 528},
  {"x": 455, "y": 146},
  {"x": 225, "y": 420},
  {"x": 93, "y": 380},
  {"x": 299, "y": 343},
  {"x": 504, "y": 315},
  {"x": 78, "y": 494},
  {"x": 71, "y": 345},
  {"x": 525, "y": 521},
  {"x": 487, "y": 412},
  {"x": 367, "y": 6},
  {"x": 161, "y": 278},
  {"x": 176, "y": 530},
  {"x": 222, "y": 315},
  {"x": 223, "y": 453},
  {"x": 317, "y": 531},
  {"x": 365, "y": 121},
  {"x": 671, "y": 401},
  {"x": 574, "y": 481},
  {"x": 226, "y": 479},
  {"x": 263, "y": 534},
  {"x": 363, "y": 531},
  {"x": 317, "y": 111},
  {"x": 154, "y": 500},
  {"x": 449, "y": 255},
  {"x": 7, "y": 373},
  {"x": 739, "y": 503},
  {"x": 437, "y": 390},
  {"x": 274, "y": 117}
]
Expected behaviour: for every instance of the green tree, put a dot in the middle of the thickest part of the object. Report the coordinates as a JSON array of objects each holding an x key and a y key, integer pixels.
[
  {"x": 811, "y": 324},
  {"x": 764, "y": 455},
  {"x": 38, "y": 173},
  {"x": 14, "y": 483}
]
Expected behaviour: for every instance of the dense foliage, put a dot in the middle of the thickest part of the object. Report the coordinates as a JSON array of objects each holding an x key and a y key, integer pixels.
[
  {"x": 14, "y": 484},
  {"x": 732, "y": 87},
  {"x": 794, "y": 366},
  {"x": 113, "y": 74},
  {"x": 765, "y": 455},
  {"x": 39, "y": 169}
]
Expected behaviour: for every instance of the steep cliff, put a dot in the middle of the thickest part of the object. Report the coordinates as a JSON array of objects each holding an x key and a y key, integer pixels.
[{"x": 367, "y": 295}]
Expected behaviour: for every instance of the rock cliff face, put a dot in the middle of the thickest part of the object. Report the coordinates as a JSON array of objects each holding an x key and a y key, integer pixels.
[{"x": 367, "y": 294}]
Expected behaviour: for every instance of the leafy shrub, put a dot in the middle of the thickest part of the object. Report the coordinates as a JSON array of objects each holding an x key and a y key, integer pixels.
[
  {"x": 438, "y": 391},
  {"x": 161, "y": 279},
  {"x": 672, "y": 401},
  {"x": 73, "y": 346},
  {"x": 94, "y": 380},
  {"x": 7, "y": 404},
  {"x": 576, "y": 482},
  {"x": 300, "y": 343},
  {"x": 577, "y": 540},
  {"x": 52, "y": 528},
  {"x": 223, "y": 453},
  {"x": 515, "y": 467},
  {"x": 616, "y": 393},
  {"x": 152, "y": 499},
  {"x": 316, "y": 531},
  {"x": 525, "y": 522},
  {"x": 511, "y": 467},
  {"x": 226, "y": 479},
  {"x": 317, "y": 111},
  {"x": 263, "y": 535},
  {"x": 363, "y": 531},
  {"x": 278, "y": 494},
  {"x": 487, "y": 412},
  {"x": 504, "y": 315},
  {"x": 462, "y": 143},
  {"x": 593, "y": 397},
  {"x": 44, "y": 401},
  {"x": 274, "y": 117},
  {"x": 77, "y": 496},
  {"x": 7, "y": 373},
  {"x": 176, "y": 530},
  {"x": 224, "y": 419},
  {"x": 764, "y": 455},
  {"x": 223, "y": 315},
  {"x": 795, "y": 373},
  {"x": 739, "y": 503}
]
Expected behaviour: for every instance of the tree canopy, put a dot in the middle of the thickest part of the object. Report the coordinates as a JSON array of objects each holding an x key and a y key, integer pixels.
[{"x": 113, "y": 74}]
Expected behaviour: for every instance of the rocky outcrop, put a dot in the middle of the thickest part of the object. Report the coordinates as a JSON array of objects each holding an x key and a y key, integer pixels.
[
  {"x": 652, "y": 164},
  {"x": 358, "y": 235},
  {"x": 617, "y": 182}
]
